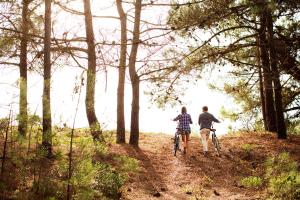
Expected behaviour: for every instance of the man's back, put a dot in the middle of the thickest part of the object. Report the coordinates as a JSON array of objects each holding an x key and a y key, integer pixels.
[{"x": 205, "y": 120}]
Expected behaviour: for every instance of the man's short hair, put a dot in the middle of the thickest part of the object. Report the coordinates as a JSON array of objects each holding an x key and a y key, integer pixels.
[{"x": 205, "y": 108}]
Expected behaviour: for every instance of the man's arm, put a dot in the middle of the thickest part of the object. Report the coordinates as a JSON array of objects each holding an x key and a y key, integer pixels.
[
  {"x": 215, "y": 119},
  {"x": 199, "y": 119}
]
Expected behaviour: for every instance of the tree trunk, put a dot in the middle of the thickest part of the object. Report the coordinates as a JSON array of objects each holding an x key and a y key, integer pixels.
[
  {"x": 91, "y": 74},
  {"x": 262, "y": 97},
  {"x": 267, "y": 76},
  {"x": 135, "y": 80},
  {"x": 23, "y": 115},
  {"x": 122, "y": 70},
  {"x": 47, "y": 129},
  {"x": 261, "y": 87},
  {"x": 261, "y": 81},
  {"x": 281, "y": 128}
]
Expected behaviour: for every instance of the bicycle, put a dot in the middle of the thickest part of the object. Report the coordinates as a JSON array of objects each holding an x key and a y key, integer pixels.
[
  {"x": 176, "y": 141},
  {"x": 215, "y": 141}
]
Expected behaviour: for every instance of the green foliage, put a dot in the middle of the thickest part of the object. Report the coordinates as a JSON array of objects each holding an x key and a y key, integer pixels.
[
  {"x": 243, "y": 94},
  {"x": 100, "y": 148},
  {"x": 110, "y": 179},
  {"x": 247, "y": 109},
  {"x": 233, "y": 26},
  {"x": 283, "y": 176},
  {"x": 280, "y": 164},
  {"x": 91, "y": 178},
  {"x": 34, "y": 119},
  {"x": 163, "y": 91},
  {"x": 48, "y": 188},
  {"x": 285, "y": 186},
  {"x": 293, "y": 127},
  {"x": 84, "y": 168},
  {"x": 87, "y": 146},
  {"x": 251, "y": 182},
  {"x": 248, "y": 147},
  {"x": 84, "y": 173},
  {"x": 228, "y": 114},
  {"x": 3, "y": 123},
  {"x": 259, "y": 125},
  {"x": 201, "y": 15}
]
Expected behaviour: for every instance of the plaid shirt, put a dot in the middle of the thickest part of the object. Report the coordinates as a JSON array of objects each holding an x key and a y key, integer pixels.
[{"x": 184, "y": 122}]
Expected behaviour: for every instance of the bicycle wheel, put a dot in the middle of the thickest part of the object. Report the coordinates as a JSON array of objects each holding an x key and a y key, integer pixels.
[
  {"x": 176, "y": 144},
  {"x": 216, "y": 144}
]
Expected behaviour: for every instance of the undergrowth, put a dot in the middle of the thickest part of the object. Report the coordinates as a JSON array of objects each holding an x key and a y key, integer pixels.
[
  {"x": 251, "y": 182},
  {"x": 283, "y": 177},
  {"x": 29, "y": 175}
]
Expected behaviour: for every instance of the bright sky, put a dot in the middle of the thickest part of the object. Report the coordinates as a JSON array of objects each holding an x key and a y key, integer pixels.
[{"x": 64, "y": 101}]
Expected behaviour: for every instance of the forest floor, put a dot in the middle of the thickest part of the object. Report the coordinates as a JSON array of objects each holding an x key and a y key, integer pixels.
[{"x": 194, "y": 176}]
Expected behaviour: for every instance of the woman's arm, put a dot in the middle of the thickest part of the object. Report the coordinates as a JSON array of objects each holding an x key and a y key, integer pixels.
[
  {"x": 191, "y": 119},
  {"x": 177, "y": 118}
]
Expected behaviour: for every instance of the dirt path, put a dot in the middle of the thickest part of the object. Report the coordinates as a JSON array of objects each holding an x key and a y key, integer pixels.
[{"x": 193, "y": 176}]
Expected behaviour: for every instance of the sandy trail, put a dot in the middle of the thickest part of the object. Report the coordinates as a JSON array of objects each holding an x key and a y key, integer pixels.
[{"x": 193, "y": 176}]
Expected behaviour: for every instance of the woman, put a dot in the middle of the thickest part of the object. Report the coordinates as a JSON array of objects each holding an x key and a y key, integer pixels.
[{"x": 184, "y": 124}]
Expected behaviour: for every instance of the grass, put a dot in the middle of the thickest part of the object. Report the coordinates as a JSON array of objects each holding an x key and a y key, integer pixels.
[
  {"x": 251, "y": 182},
  {"x": 195, "y": 192}
]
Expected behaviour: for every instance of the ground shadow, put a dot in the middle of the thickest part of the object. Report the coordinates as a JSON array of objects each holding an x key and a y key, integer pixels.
[{"x": 153, "y": 180}]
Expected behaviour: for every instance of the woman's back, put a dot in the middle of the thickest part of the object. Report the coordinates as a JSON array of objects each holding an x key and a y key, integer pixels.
[{"x": 184, "y": 121}]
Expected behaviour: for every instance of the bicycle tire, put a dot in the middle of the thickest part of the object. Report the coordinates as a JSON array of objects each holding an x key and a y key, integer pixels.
[
  {"x": 216, "y": 144},
  {"x": 176, "y": 144}
]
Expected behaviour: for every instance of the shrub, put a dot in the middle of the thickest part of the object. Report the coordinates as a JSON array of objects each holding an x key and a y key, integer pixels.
[
  {"x": 3, "y": 123},
  {"x": 45, "y": 188},
  {"x": 82, "y": 180},
  {"x": 251, "y": 182},
  {"x": 293, "y": 127},
  {"x": 109, "y": 181},
  {"x": 284, "y": 179},
  {"x": 285, "y": 186},
  {"x": 92, "y": 179},
  {"x": 248, "y": 147},
  {"x": 279, "y": 164}
]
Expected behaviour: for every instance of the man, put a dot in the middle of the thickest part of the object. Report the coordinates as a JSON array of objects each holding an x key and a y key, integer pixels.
[{"x": 205, "y": 120}]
